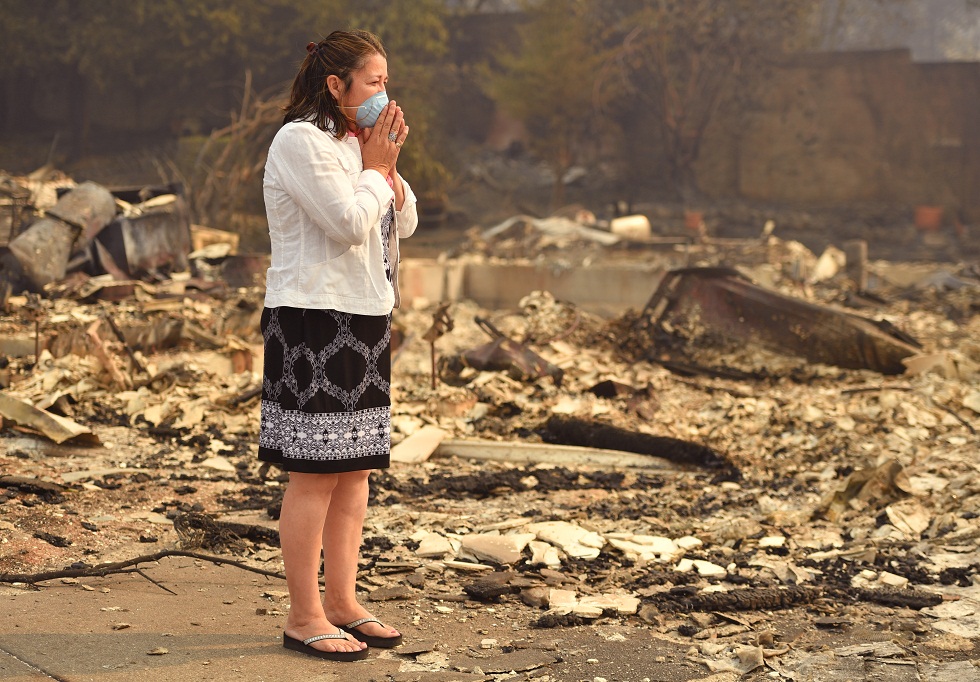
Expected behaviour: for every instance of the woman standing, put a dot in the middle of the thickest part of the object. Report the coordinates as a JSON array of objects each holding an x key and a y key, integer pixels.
[{"x": 336, "y": 208}]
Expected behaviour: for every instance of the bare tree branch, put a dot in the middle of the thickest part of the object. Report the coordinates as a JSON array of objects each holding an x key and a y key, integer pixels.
[{"x": 102, "y": 570}]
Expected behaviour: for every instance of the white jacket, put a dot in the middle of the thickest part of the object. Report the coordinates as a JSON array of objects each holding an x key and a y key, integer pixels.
[{"x": 324, "y": 214}]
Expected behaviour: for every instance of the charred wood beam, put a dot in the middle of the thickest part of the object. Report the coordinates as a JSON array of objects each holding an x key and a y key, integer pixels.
[
  {"x": 775, "y": 598},
  {"x": 569, "y": 430},
  {"x": 202, "y": 530},
  {"x": 245, "y": 396},
  {"x": 908, "y": 599},
  {"x": 746, "y": 599},
  {"x": 46, "y": 490},
  {"x": 693, "y": 369},
  {"x": 560, "y": 620}
]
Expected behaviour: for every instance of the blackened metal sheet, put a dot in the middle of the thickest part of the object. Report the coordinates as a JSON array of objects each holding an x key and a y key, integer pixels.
[
  {"x": 89, "y": 207},
  {"x": 43, "y": 250},
  {"x": 727, "y": 303},
  {"x": 155, "y": 242}
]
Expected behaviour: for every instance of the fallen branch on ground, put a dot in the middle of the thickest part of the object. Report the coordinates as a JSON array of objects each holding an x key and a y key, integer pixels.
[{"x": 101, "y": 570}]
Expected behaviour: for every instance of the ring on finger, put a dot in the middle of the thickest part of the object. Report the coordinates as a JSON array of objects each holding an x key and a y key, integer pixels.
[{"x": 393, "y": 136}]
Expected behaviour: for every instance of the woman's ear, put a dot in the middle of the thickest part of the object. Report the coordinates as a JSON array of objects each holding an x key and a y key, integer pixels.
[{"x": 335, "y": 86}]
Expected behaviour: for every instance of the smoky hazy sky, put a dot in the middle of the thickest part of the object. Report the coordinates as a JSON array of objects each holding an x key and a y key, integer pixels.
[{"x": 934, "y": 30}]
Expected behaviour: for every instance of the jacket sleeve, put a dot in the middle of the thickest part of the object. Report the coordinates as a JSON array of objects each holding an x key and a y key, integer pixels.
[
  {"x": 346, "y": 203},
  {"x": 408, "y": 217}
]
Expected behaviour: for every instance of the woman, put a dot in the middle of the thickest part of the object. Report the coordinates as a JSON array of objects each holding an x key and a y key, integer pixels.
[{"x": 336, "y": 208}]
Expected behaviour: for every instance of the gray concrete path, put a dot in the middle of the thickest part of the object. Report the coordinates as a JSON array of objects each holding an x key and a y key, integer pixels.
[
  {"x": 14, "y": 670},
  {"x": 209, "y": 631},
  {"x": 225, "y": 623}
]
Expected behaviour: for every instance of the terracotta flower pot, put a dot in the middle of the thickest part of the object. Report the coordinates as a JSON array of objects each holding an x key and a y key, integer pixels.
[
  {"x": 928, "y": 218},
  {"x": 693, "y": 220}
]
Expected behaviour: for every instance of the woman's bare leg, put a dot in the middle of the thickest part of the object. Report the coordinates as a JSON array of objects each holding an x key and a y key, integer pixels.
[
  {"x": 304, "y": 512},
  {"x": 341, "y": 549}
]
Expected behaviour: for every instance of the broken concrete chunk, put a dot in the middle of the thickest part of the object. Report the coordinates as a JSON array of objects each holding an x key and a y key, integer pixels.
[
  {"x": 622, "y": 604},
  {"x": 562, "y": 599},
  {"x": 892, "y": 580},
  {"x": 812, "y": 414},
  {"x": 589, "y": 611},
  {"x": 688, "y": 542},
  {"x": 708, "y": 569},
  {"x": 952, "y": 610},
  {"x": 466, "y": 565},
  {"x": 684, "y": 566},
  {"x": 772, "y": 541},
  {"x": 218, "y": 463},
  {"x": 216, "y": 445},
  {"x": 876, "y": 649},
  {"x": 544, "y": 554},
  {"x": 434, "y": 546},
  {"x": 502, "y": 549},
  {"x": 946, "y": 363},
  {"x": 864, "y": 579},
  {"x": 419, "y": 446},
  {"x": 710, "y": 648},
  {"x": 574, "y": 540},
  {"x": 646, "y": 547}
]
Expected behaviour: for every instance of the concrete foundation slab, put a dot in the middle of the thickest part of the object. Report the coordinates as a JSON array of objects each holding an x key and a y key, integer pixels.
[{"x": 602, "y": 289}]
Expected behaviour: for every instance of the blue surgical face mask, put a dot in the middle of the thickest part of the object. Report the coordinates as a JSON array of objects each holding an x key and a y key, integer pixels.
[{"x": 370, "y": 109}]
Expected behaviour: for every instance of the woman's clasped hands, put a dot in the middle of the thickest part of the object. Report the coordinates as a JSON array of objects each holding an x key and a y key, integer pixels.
[{"x": 381, "y": 144}]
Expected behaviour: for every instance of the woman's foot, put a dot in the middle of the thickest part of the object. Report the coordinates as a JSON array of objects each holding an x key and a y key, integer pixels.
[
  {"x": 365, "y": 627},
  {"x": 302, "y": 631}
]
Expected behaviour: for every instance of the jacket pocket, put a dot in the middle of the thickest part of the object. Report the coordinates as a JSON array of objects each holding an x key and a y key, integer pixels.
[
  {"x": 333, "y": 250},
  {"x": 341, "y": 275},
  {"x": 319, "y": 279}
]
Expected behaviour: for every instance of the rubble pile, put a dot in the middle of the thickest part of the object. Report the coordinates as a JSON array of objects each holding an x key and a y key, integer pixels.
[
  {"x": 843, "y": 495},
  {"x": 52, "y": 227}
]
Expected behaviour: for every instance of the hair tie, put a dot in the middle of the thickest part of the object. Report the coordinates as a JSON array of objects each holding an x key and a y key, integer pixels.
[{"x": 311, "y": 47}]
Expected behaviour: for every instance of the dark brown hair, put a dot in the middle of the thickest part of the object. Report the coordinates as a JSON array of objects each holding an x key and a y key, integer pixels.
[{"x": 339, "y": 54}]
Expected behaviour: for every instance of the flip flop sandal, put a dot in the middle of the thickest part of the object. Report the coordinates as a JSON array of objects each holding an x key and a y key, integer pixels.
[
  {"x": 304, "y": 647},
  {"x": 371, "y": 640}
]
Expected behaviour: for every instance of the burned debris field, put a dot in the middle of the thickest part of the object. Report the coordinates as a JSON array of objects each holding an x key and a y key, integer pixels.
[{"x": 764, "y": 468}]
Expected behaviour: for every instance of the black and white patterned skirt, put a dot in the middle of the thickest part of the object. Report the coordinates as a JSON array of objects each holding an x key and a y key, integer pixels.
[{"x": 326, "y": 390}]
